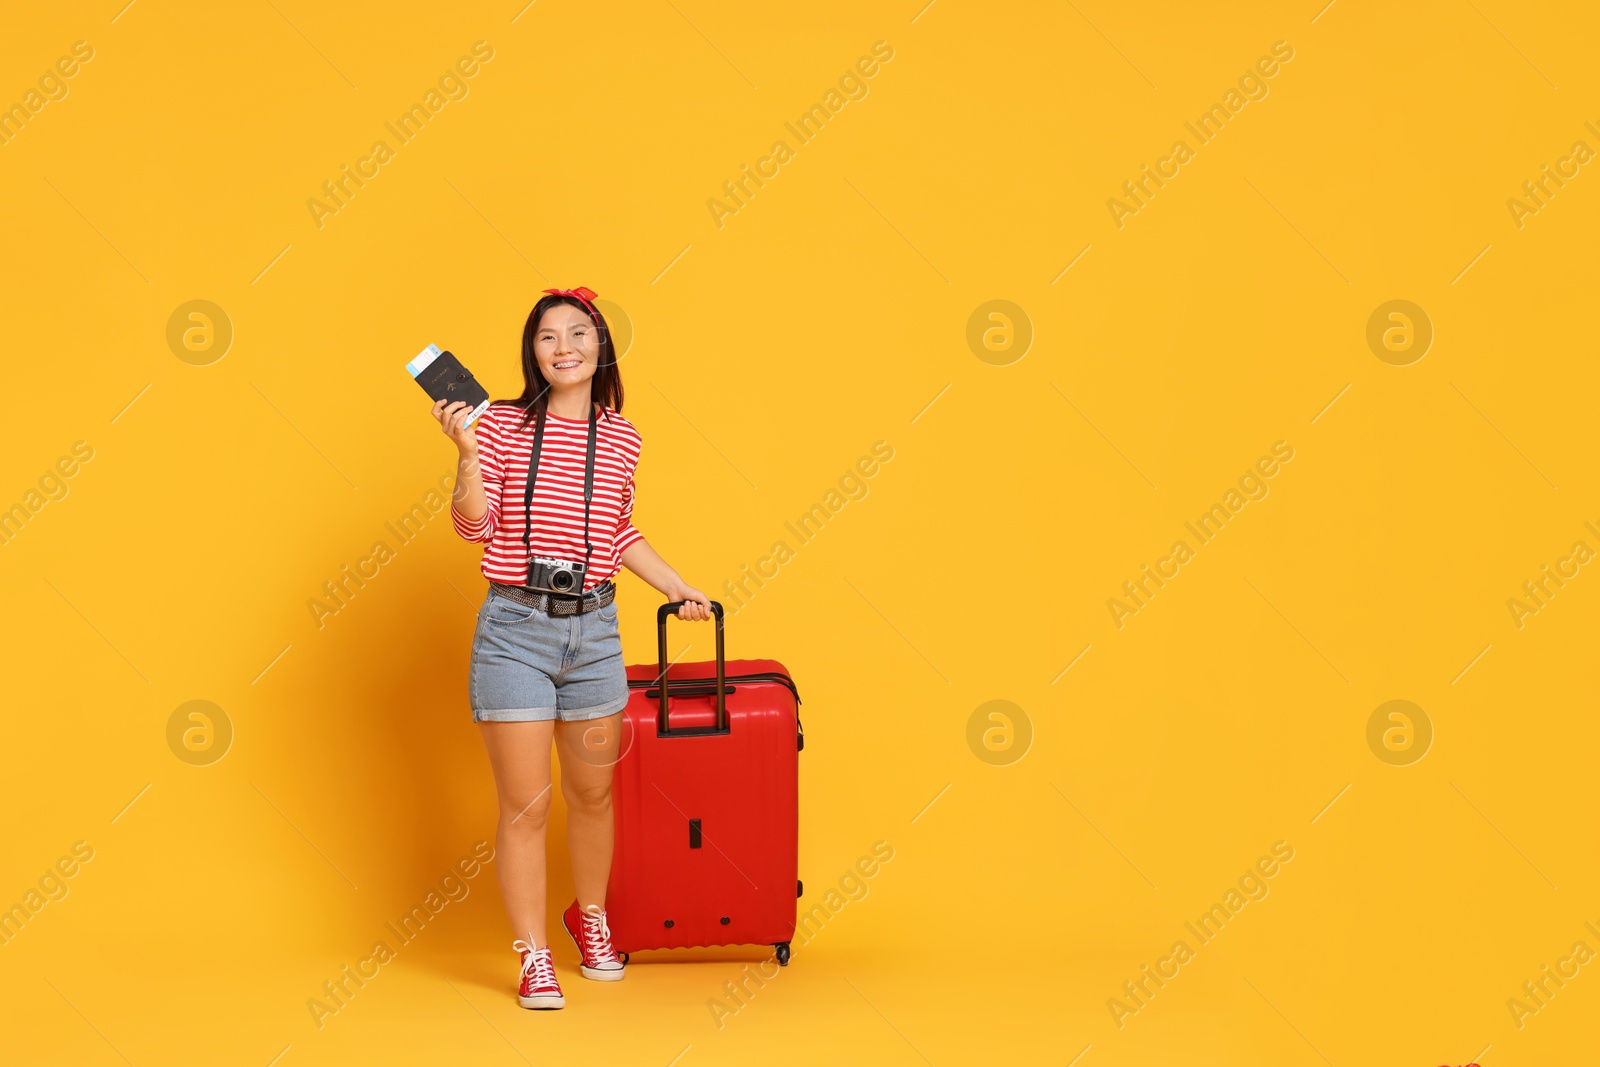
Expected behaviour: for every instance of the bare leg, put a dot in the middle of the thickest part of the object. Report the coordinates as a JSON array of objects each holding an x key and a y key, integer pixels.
[
  {"x": 519, "y": 753},
  {"x": 588, "y": 752}
]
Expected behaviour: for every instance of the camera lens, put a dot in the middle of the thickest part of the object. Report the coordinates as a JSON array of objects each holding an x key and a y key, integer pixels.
[{"x": 561, "y": 580}]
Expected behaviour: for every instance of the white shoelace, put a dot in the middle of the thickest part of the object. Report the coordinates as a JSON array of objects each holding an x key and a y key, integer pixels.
[
  {"x": 537, "y": 962},
  {"x": 597, "y": 937}
]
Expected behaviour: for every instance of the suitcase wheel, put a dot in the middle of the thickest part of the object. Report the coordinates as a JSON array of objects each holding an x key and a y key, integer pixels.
[{"x": 782, "y": 949}]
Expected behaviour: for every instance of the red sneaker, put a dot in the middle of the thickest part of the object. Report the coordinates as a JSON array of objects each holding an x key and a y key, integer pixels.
[
  {"x": 593, "y": 938},
  {"x": 538, "y": 987}
]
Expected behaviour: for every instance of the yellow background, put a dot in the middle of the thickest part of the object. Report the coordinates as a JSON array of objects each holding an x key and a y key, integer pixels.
[{"x": 770, "y": 354}]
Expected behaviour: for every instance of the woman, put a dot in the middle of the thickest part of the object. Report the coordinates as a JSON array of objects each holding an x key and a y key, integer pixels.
[{"x": 547, "y": 661}]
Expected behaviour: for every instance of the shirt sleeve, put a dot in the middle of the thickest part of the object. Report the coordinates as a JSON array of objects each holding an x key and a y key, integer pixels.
[
  {"x": 626, "y": 534},
  {"x": 489, "y": 463}
]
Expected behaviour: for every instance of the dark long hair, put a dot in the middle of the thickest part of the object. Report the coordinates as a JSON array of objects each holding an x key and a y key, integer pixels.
[{"x": 606, "y": 385}]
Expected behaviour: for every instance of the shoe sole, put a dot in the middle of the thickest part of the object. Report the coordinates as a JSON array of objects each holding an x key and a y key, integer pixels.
[
  {"x": 542, "y": 1002},
  {"x": 590, "y": 972}
]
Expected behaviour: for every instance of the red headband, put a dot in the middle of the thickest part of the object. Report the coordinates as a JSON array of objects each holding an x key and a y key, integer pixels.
[{"x": 583, "y": 294}]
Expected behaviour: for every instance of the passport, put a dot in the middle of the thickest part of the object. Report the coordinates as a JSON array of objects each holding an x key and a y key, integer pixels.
[{"x": 442, "y": 377}]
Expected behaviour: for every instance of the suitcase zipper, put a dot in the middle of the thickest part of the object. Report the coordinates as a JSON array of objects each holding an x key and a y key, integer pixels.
[
  {"x": 709, "y": 686},
  {"x": 701, "y": 686}
]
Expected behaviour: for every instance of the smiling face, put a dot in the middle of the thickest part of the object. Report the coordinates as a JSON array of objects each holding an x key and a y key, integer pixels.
[{"x": 567, "y": 346}]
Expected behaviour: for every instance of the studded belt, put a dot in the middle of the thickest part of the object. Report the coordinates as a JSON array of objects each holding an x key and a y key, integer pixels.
[{"x": 556, "y": 604}]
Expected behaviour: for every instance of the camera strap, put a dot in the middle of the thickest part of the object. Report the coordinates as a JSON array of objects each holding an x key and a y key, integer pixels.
[{"x": 533, "y": 474}]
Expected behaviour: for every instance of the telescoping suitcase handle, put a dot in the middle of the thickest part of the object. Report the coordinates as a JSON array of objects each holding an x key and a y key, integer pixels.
[{"x": 663, "y": 728}]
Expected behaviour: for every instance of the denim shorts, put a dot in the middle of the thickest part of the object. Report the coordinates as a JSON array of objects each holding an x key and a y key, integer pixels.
[{"x": 528, "y": 666}]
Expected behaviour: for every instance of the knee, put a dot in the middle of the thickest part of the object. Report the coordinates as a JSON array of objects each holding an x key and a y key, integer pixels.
[
  {"x": 588, "y": 797},
  {"x": 526, "y": 815}
]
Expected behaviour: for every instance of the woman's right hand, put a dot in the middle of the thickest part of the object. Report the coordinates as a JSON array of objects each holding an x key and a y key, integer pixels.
[{"x": 452, "y": 415}]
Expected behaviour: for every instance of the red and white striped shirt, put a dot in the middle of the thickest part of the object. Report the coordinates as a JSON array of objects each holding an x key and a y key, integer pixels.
[{"x": 557, "y": 512}]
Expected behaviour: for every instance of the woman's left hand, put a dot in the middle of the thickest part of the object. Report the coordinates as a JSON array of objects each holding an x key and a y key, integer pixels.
[{"x": 696, "y": 605}]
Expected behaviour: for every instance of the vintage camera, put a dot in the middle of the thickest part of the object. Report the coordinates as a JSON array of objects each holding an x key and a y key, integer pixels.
[{"x": 560, "y": 576}]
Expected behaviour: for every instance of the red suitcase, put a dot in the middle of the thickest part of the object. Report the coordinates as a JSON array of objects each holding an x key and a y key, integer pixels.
[{"x": 706, "y": 796}]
